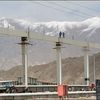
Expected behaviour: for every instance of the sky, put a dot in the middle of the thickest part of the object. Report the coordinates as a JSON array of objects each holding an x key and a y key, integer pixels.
[{"x": 42, "y": 11}]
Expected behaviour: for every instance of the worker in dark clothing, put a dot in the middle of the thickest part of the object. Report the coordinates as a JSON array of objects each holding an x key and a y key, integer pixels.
[{"x": 61, "y": 34}]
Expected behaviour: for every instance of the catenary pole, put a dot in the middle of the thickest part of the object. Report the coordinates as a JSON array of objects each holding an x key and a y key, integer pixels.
[
  {"x": 24, "y": 45},
  {"x": 86, "y": 66}
]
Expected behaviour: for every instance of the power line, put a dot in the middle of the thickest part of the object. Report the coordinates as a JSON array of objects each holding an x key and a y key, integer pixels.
[
  {"x": 76, "y": 11},
  {"x": 91, "y": 9},
  {"x": 60, "y": 10}
]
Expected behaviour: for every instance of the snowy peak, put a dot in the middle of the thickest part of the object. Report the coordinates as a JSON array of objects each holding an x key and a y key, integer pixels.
[
  {"x": 4, "y": 23},
  {"x": 76, "y": 30},
  {"x": 14, "y": 23},
  {"x": 53, "y": 24},
  {"x": 88, "y": 30},
  {"x": 93, "y": 22}
]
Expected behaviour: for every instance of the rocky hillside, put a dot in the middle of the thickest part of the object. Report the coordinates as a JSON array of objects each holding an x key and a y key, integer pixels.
[{"x": 72, "y": 70}]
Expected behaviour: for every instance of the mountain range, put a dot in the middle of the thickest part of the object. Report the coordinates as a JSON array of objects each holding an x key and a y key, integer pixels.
[
  {"x": 42, "y": 52},
  {"x": 72, "y": 71}
]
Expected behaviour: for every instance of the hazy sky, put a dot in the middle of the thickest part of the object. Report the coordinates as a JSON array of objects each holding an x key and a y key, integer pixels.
[{"x": 37, "y": 11}]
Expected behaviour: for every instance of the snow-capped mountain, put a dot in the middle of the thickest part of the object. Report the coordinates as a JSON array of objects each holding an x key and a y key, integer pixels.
[
  {"x": 83, "y": 29},
  {"x": 41, "y": 52}
]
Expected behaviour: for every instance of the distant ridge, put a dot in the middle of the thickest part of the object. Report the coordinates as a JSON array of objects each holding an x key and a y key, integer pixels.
[
  {"x": 72, "y": 68},
  {"x": 41, "y": 52}
]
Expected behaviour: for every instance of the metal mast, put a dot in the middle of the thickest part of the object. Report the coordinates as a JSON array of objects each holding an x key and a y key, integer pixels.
[
  {"x": 59, "y": 63},
  {"x": 94, "y": 67},
  {"x": 86, "y": 66},
  {"x": 24, "y": 45}
]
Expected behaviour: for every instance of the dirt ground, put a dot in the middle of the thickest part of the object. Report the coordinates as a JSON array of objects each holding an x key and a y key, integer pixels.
[{"x": 32, "y": 98}]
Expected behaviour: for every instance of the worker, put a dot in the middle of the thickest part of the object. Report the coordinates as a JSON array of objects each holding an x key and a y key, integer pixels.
[{"x": 61, "y": 34}]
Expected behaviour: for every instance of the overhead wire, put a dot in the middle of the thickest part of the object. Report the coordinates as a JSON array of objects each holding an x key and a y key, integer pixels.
[
  {"x": 59, "y": 5},
  {"x": 85, "y": 7},
  {"x": 41, "y": 4},
  {"x": 76, "y": 11},
  {"x": 72, "y": 11},
  {"x": 68, "y": 11}
]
